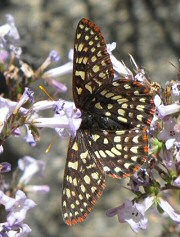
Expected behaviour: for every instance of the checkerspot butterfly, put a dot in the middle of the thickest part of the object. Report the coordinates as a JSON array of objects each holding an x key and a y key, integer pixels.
[{"x": 112, "y": 138}]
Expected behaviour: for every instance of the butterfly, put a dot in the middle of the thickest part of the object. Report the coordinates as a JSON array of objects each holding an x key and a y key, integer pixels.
[{"x": 112, "y": 138}]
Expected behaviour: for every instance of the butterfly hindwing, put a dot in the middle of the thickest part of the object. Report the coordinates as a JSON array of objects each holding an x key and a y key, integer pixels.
[
  {"x": 124, "y": 101},
  {"x": 120, "y": 152}
]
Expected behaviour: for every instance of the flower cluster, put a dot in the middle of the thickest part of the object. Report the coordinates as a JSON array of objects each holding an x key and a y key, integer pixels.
[
  {"x": 18, "y": 109},
  {"x": 14, "y": 203}
]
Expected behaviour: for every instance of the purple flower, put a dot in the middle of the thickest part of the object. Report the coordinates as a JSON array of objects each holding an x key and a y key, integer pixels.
[
  {"x": 3, "y": 56},
  {"x": 62, "y": 70},
  {"x": 13, "y": 30},
  {"x": 177, "y": 181},
  {"x": 71, "y": 55},
  {"x": 58, "y": 71},
  {"x": 16, "y": 230},
  {"x": 17, "y": 207},
  {"x": 67, "y": 117},
  {"x": 176, "y": 89},
  {"x": 177, "y": 151},
  {"x": 28, "y": 95},
  {"x": 9, "y": 29},
  {"x": 1, "y": 149},
  {"x": 30, "y": 167},
  {"x": 5, "y": 167},
  {"x": 169, "y": 134},
  {"x": 165, "y": 110},
  {"x": 37, "y": 188},
  {"x": 57, "y": 85},
  {"x": 10, "y": 106},
  {"x": 29, "y": 137},
  {"x": 142, "y": 178},
  {"x": 54, "y": 56},
  {"x": 43, "y": 105},
  {"x": 119, "y": 67},
  {"x": 4, "y": 113},
  {"x": 167, "y": 208},
  {"x": 56, "y": 122},
  {"x": 131, "y": 213}
]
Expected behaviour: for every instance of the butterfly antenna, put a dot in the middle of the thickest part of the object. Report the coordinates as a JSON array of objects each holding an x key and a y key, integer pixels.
[
  {"x": 46, "y": 92},
  {"x": 52, "y": 143}
]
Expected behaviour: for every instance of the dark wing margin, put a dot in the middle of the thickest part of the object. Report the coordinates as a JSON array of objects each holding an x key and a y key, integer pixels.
[
  {"x": 92, "y": 67},
  {"x": 84, "y": 181}
]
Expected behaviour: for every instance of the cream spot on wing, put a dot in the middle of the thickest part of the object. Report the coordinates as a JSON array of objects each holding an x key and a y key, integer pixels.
[
  {"x": 87, "y": 179},
  {"x": 95, "y": 137},
  {"x": 75, "y": 146},
  {"x": 84, "y": 155},
  {"x": 73, "y": 165},
  {"x": 89, "y": 88}
]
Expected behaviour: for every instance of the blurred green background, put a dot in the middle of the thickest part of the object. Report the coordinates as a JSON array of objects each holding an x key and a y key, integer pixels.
[{"x": 149, "y": 30}]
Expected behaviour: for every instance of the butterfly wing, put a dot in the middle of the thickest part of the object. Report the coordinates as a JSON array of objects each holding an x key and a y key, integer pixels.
[
  {"x": 84, "y": 181},
  {"x": 120, "y": 152},
  {"x": 122, "y": 104},
  {"x": 128, "y": 103},
  {"x": 92, "y": 68}
]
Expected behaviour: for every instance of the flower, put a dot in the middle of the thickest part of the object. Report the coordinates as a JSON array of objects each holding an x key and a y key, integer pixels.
[
  {"x": 134, "y": 213},
  {"x": 57, "y": 85},
  {"x": 9, "y": 29},
  {"x": 4, "y": 112},
  {"x": 176, "y": 89},
  {"x": 1, "y": 149},
  {"x": 11, "y": 105},
  {"x": 177, "y": 181},
  {"x": 17, "y": 207},
  {"x": 177, "y": 151},
  {"x": 167, "y": 208},
  {"x": 13, "y": 30},
  {"x": 9, "y": 36},
  {"x": 131, "y": 213},
  {"x": 28, "y": 95},
  {"x": 165, "y": 110},
  {"x": 29, "y": 137},
  {"x": 66, "y": 117},
  {"x": 119, "y": 68},
  {"x": 169, "y": 134},
  {"x": 43, "y": 105},
  {"x": 54, "y": 56},
  {"x": 30, "y": 167},
  {"x": 62, "y": 70},
  {"x": 58, "y": 71},
  {"x": 5, "y": 167},
  {"x": 16, "y": 230},
  {"x": 37, "y": 188}
]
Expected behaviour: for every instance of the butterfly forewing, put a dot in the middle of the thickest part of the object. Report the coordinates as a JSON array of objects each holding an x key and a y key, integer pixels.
[
  {"x": 92, "y": 67},
  {"x": 112, "y": 138},
  {"x": 84, "y": 181}
]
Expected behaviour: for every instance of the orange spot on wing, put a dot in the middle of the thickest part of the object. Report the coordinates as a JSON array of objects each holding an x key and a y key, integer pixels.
[
  {"x": 145, "y": 137},
  {"x": 146, "y": 149},
  {"x": 136, "y": 168}
]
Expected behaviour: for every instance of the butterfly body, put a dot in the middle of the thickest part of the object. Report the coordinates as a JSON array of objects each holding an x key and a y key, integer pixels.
[{"x": 112, "y": 138}]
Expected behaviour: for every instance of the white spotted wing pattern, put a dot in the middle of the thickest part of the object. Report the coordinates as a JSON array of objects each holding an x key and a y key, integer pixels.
[{"x": 112, "y": 138}]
